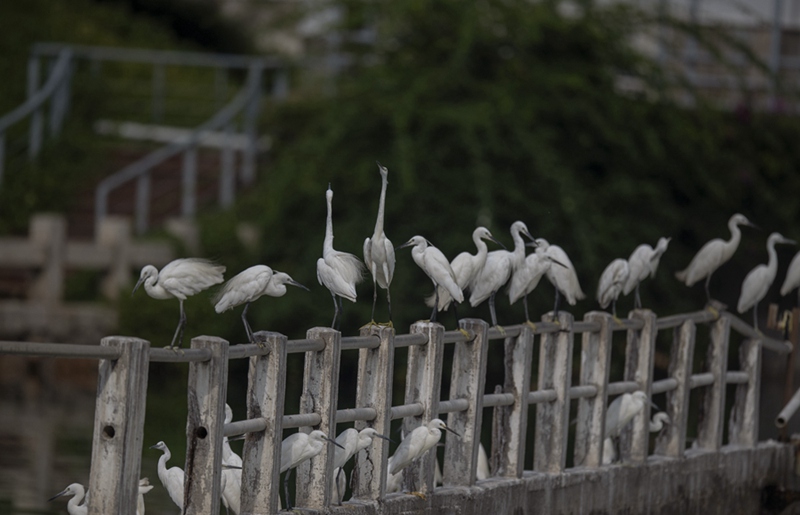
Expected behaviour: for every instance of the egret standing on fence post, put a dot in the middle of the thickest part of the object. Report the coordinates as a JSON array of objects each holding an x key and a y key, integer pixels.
[
  {"x": 758, "y": 281},
  {"x": 612, "y": 281},
  {"x": 713, "y": 255},
  {"x": 527, "y": 277},
  {"x": 248, "y": 286},
  {"x": 563, "y": 278},
  {"x": 435, "y": 265},
  {"x": 643, "y": 262},
  {"x": 297, "y": 448},
  {"x": 180, "y": 279},
  {"x": 74, "y": 506},
  {"x": 337, "y": 271},
  {"x": 792, "y": 279},
  {"x": 172, "y": 478},
  {"x": 379, "y": 252}
]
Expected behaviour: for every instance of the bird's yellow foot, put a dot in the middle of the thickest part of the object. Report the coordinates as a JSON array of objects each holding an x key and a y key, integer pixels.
[
  {"x": 418, "y": 494},
  {"x": 616, "y": 320},
  {"x": 388, "y": 324},
  {"x": 466, "y": 334},
  {"x": 500, "y": 329},
  {"x": 713, "y": 311},
  {"x": 369, "y": 324},
  {"x": 530, "y": 324}
]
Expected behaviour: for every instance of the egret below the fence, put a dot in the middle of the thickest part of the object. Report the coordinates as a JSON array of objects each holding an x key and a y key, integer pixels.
[
  {"x": 74, "y": 506},
  {"x": 656, "y": 424},
  {"x": 180, "y": 279},
  {"x": 379, "y": 252},
  {"x": 250, "y": 285},
  {"x": 497, "y": 270},
  {"x": 612, "y": 281},
  {"x": 758, "y": 280},
  {"x": 643, "y": 263},
  {"x": 436, "y": 267},
  {"x": 231, "y": 471},
  {"x": 416, "y": 444},
  {"x": 172, "y": 478},
  {"x": 297, "y": 448},
  {"x": 713, "y": 254},
  {"x": 623, "y": 409},
  {"x": 144, "y": 487},
  {"x": 526, "y": 277},
  {"x": 351, "y": 441},
  {"x": 563, "y": 278},
  {"x": 792, "y": 279},
  {"x": 338, "y": 271}
]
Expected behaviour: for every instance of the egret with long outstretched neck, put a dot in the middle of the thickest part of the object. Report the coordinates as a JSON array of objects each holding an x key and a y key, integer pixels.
[
  {"x": 250, "y": 285},
  {"x": 180, "y": 279},
  {"x": 612, "y": 282},
  {"x": 436, "y": 267},
  {"x": 74, "y": 506},
  {"x": 499, "y": 266},
  {"x": 758, "y": 281},
  {"x": 643, "y": 263},
  {"x": 564, "y": 278},
  {"x": 792, "y": 279},
  {"x": 338, "y": 271},
  {"x": 713, "y": 255},
  {"x": 297, "y": 448},
  {"x": 379, "y": 252},
  {"x": 172, "y": 478}
]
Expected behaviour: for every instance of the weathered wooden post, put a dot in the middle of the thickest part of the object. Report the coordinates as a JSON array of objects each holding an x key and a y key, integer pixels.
[
  {"x": 374, "y": 390},
  {"x": 266, "y": 388},
  {"x": 49, "y": 232},
  {"x": 423, "y": 385},
  {"x": 320, "y": 394},
  {"x": 119, "y": 427},
  {"x": 595, "y": 366},
  {"x": 509, "y": 435},
  {"x": 672, "y": 440},
  {"x": 467, "y": 381},
  {"x": 639, "y": 354},
  {"x": 712, "y": 423},
  {"x": 205, "y": 422},
  {"x": 743, "y": 429},
  {"x": 552, "y": 418}
]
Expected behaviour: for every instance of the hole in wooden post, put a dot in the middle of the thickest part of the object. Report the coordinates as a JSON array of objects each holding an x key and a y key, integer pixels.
[
  {"x": 109, "y": 432},
  {"x": 201, "y": 432}
]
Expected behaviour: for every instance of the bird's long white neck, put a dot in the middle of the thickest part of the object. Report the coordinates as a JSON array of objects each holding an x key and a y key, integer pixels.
[
  {"x": 381, "y": 204},
  {"x": 483, "y": 249},
  {"x": 162, "y": 464},
  {"x": 76, "y": 500},
  {"x": 733, "y": 243},
  {"x": 772, "y": 264},
  {"x": 519, "y": 247},
  {"x": 327, "y": 245}
]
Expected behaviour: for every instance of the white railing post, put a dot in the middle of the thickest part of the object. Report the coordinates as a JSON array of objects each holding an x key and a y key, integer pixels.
[
  {"x": 672, "y": 440},
  {"x": 552, "y": 418},
  {"x": 374, "y": 390},
  {"x": 119, "y": 426},
  {"x": 743, "y": 429},
  {"x": 467, "y": 381},
  {"x": 207, "y": 389},
  {"x": 595, "y": 366},
  {"x": 266, "y": 388},
  {"x": 712, "y": 421},
  {"x": 320, "y": 395},
  {"x": 639, "y": 354}
]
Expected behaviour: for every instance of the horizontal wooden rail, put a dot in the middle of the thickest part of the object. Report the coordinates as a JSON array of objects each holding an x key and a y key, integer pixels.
[{"x": 59, "y": 350}]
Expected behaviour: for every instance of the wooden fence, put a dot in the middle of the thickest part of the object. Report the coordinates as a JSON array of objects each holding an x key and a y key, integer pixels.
[{"x": 122, "y": 394}]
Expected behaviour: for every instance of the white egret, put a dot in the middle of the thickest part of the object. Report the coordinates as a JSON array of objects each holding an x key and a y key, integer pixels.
[
  {"x": 482, "y": 469},
  {"x": 379, "y": 252},
  {"x": 498, "y": 269},
  {"x": 643, "y": 263},
  {"x": 792, "y": 279},
  {"x": 250, "y": 285},
  {"x": 417, "y": 443},
  {"x": 339, "y": 484},
  {"x": 563, "y": 278},
  {"x": 466, "y": 267},
  {"x": 297, "y": 448},
  {"x": 180, "y": 279},
  {"x": 172, "y": 478},
  {"x": 612, "y": 281},
  {"x": 610, "y": 450},
  {"x": 659, "y": 420},
  {"x": 435, "y": 265},
  {"x": 351, "y": 441},
  {"x": 713, "y": 255},
  {"x": 622, "y": 410},
  {"x": 526, "y": 277},
  {"x": 394, "y": 482},
  {"x": 338, "y": 271},
  {"x": 74, "y": 506},
  {"x": 758, "y": 281},
  {"x": 231, "y": 472},
  {"x": 144, "y": 487}
]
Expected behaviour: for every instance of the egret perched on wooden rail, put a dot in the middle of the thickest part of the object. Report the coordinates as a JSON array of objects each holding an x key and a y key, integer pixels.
[
  {"x": 612, "y": 282},
  {"x": 297, "y": 448},
  {"x": 416, "y": 443},
  {"x": 563, "y": 278},
  {"x": 435, "y": 265},
  {"x": 250, "y": 285},
  {"x": 379, "y": 252},
  {"x": 499, "y": 266},
  {"x": 758, "y": 280},
  {"x": 792, "y": 279},
  {"x": 643, "y": 263},
  {"x": 527, "y": 277},
  {"x": 74, "y": 506},
  {"x": 172, "y": 478},
  {"x": 338, "y": 271},
  {"x": 713, "y": 255},
  {"x": 180, "y": 279}
]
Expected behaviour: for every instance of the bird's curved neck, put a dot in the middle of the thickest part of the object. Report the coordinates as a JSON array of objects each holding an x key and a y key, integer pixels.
[
  {"x": 155, "y": 290},
  {"x": 162, "y": 461},
  {"x": 519, "y": 247},
  {"x": 327, "y": 245},
  {"x": 381, "y": 205},
  {"x": 76, "y": 499},
  {"x": 736, "y": 236},
  {"x": 772, "y": 264},
  {"x": 483, "y": 249}
]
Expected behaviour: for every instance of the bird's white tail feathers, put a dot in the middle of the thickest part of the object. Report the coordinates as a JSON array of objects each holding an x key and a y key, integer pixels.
[
  {"x": 444, "y": 299},
  {"x": 355, "y": 271},
  {"x": 681, "y": 276}
]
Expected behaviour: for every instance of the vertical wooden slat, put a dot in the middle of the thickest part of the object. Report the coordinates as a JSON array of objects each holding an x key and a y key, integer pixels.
[
  {"x": 423, "y": 385},
  {"x": 374, "y": 390},
  {"x": 743, "y": 428},
  {"x": 672, "y": 440},
  {"x": 320, "y": 394},
  {"x": 119, "y": 426},
  {"x": 639, "y": 355},
  {"x": 552, "y": 418},
  {"x": 595, "y": 366},
  {"x": 207, "y": 389},
  {"x": 467, "y": 381},
  {"x": 266, "y": 388},
  {"x": 710, "y": 426},
  {"x": 509, "y": 435}
]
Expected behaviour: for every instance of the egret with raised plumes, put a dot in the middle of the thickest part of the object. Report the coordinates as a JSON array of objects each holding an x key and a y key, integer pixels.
[
  {"x": 643, "y": 263},
  {"x": 563, "y": 278},
  {"x": 612, "y": 282}
]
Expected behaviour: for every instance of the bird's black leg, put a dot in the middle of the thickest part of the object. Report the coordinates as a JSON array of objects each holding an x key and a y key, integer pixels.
[
  {"x": 286, "y": 489},
  {"x": 341, "y": 313},
  {"x": 755, "y": 316},
  {"x": 339, "y": 494},
  {"x": 555, "y": 307},
  {"x": 614, "y": 308},
  {"x": 708, "y": 293},
  {"x": 374, "y": 297},
  {"x": 491, "y": 309},
  {"x": 389, "y": 301},
  {"x": 335, "y": 311},
  {"x": 435, "y": 302},
  {"x": 638, "y": 301},
  {"x": 247, "y": 325},
  {"x": 178, "y": 336},
  {"x": 525, "y": 303}
]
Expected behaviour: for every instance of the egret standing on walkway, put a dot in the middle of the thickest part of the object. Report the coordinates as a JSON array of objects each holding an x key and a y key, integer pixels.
[
  {"x": 643, "y": 263},
  {"x": 337, "y": 271},
  {"x": 74, "y": 506},
  {"x": 612, "y": 281},
  {"x": 250, "y": 285},
  {"x": 379, "y": 252},
  {"x": 180, "y": 279},
  {"x": 792, "y": 280},
  {"x": 713, "y": 255},
  {"x": 656, "y": 424},
  {"x": 758, "y": 281},
  {"x": 435, "y": 265},
  {"x": 350, "y": 441},
  {"x": 231, "y": 490},
  {"x": 172, "y": 478},
  {"x": 418, "y": 442},
  {"x": 297, "y": 448},
  {"x": 563, "y": 278},
  {"x": 622, "y": 410}
]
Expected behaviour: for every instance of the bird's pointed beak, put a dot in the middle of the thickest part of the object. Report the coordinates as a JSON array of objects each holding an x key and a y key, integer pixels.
[
  {"x": 138, "y": 283},
  {"x": 787, "y": 241},
  {"x": 532, "y": 244},
  {"x": 237, "y": 437},
  {"x": 404, "y": 245},
  {"x": 295, "y": 283},
  {"x": 385, "y": 438},
  {"x": 527, "y": 234},
  {"x": 492, "y": 238},
  {"x": 378, "y": 162},
  {"x": 452, "y": 431},
  {"x": 559, "y": 263},
  {"x": 751, "y": 224},
  {"x": 154, "y": 446},
  {"x": 58, "y": 495},
  {"x": 654, "y": 405},
  {"x": 334, "y": 442}
]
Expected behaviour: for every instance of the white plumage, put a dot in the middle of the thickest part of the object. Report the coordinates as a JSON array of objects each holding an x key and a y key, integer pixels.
[
  {"x": 612, "y": 281},
  {"x": 792, "y": 279},
  {"x": 232, "y": 477},
  {"x": 297, "y": 448},
  {"x": 417, "y": 443},
  {"x": 172, "y": 478},
  {"x": 609, "y": 449},
  {"x": 643, "y": 263},
  {"x": 436, "y": 267},
  {"x": 622, "y": 410},
  {"x": 144, "y": 487},
  {"x": 760, "y": 278},
  {"x": 74, "y": 506},
  {"x": 379, "y": 251},
  {"x": 563, "y": 278}
]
